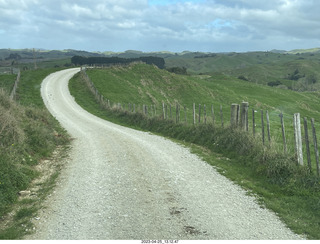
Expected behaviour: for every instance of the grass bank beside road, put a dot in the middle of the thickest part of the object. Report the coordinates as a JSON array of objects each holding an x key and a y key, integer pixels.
[
  {"x": 29, "y": 134},
  {"x": 273, "y": 177}
]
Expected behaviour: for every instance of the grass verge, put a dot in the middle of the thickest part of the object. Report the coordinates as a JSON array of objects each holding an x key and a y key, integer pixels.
[
  {"x": 29, "y": 135},
  {"x": 273, "y": 177}
]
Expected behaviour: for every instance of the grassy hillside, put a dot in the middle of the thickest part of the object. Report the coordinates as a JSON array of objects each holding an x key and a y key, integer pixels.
[
  {"x": 294, "y": 70},
  {"x": 143, "y": 84},
  {"x": 264, "y": 171},
  {"x": 298, "y": 75}
]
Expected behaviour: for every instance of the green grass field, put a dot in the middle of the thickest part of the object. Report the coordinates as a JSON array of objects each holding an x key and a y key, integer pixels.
[
  {"x": 7, "y": 82},
  {"x": 295, "y": 199},
  {"x": 143, "y": 84}
]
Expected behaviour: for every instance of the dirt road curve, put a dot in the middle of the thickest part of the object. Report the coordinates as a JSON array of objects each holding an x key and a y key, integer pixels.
[{"x": 126, "y": 184}]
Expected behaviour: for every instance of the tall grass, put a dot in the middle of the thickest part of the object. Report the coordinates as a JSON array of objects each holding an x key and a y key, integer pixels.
[{"x": 28, "y": 134}]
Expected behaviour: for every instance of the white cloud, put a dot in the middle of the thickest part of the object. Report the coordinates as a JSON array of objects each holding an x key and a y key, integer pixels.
[{"x": 207, "y": 25}]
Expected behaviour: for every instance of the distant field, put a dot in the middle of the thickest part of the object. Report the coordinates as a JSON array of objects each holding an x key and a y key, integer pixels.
[{"x": 298, "y": 71}]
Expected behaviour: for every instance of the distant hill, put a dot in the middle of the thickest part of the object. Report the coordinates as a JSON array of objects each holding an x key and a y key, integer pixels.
[
  {"x": 311, "y": 50},
  {"x": 298, "y": 69},
  {"x": 45, "y": 54}
]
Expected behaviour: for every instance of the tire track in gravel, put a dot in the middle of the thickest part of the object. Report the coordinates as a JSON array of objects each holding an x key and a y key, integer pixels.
[{"x": 125, "y": 184}]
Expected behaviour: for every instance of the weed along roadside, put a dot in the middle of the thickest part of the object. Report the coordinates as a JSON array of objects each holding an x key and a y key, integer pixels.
[{"x": 262, "y": 161}]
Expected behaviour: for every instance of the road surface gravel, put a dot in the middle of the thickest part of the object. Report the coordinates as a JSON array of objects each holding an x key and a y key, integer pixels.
[{"x": 120, "y": 183}]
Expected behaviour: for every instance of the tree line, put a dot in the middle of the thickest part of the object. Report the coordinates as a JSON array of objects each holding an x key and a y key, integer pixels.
[{"x": 80, "y": 60}]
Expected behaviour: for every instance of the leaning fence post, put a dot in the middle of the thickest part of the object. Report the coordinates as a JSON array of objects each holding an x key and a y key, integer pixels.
[
  {"x": 283, "y": 133},
  {"x": 297, "y": 135},
  {"x": 306, "y": 134},
  {"x": 315, "y": 143}
]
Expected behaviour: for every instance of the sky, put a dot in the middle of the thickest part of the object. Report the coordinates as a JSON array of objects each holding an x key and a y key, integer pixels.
[{"x": 160, "y": 25}]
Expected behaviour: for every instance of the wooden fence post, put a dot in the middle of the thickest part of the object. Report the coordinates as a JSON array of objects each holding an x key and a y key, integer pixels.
[
  {"x": 194, "y": 113},
  {"x": 234, "y": 115},
  {"x": 268, "y": 126},
  {"x": 253, "y": 123},
  {"x": 283, "y": 133},
  {"x": 15, "y": 86},
  {"x": 306, "y": 134},
  {"x": 199, "y": 113},
  {"x": 315, "y": 143},
  {"x": 262, "y": 127},
  {"x": 163, "y": 111},
  {"x": 205, "y": 114},
  {"x": 297, "y": 136},
  {"x": 244, "y": 116}
]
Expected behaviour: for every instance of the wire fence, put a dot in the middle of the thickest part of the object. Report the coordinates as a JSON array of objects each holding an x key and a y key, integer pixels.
[{"x": 295, "y": 142}]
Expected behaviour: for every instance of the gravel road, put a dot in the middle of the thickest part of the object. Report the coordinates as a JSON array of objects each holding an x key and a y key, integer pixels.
[{"x": 125, "y": 184}]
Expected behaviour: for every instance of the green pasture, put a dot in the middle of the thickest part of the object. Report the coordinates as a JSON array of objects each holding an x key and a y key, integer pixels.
[{"x": 143, "y": 84}]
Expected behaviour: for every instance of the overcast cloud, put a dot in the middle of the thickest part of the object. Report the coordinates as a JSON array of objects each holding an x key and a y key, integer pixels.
[{"x": 155, "y": 25}]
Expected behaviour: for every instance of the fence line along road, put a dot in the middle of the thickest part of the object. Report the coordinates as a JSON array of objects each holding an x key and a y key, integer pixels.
[{"x": 239, "y": 119}]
